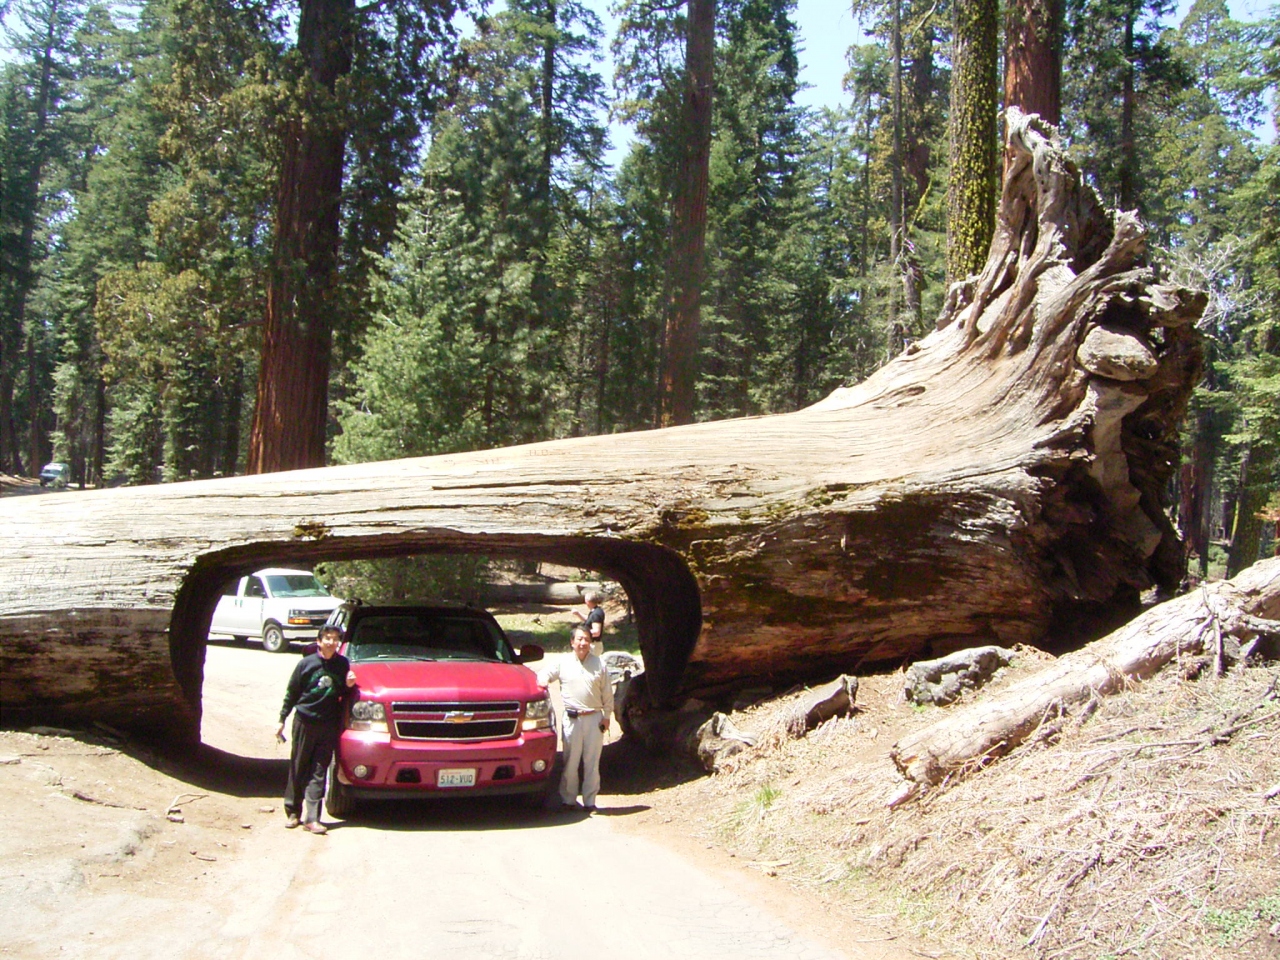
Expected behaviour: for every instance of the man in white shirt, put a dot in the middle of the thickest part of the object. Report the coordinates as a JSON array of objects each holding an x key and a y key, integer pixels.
[{"x": 588, "y": 704}]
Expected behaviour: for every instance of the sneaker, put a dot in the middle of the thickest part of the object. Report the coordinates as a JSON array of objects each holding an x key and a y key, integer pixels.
[
  {"x": 316, "y": 827},
  {"x": 292, "y": 822}
]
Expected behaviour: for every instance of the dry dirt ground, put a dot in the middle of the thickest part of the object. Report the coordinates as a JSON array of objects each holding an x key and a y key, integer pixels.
[
  {"x": 110, "y": 850},
  {"x": 1147, "y": 825}
]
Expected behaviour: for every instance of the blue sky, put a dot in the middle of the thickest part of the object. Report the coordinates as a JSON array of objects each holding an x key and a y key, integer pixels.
[{"x": 827, "y": 30}]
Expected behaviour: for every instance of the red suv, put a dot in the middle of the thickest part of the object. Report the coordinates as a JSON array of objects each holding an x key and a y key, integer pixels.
[{"x": 444, "y": 706}]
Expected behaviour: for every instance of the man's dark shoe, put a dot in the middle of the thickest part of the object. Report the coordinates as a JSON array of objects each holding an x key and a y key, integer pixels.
[
  {"x": 316, "y": 827},
  {"x": 590, "y": 808},
  {"x": 569, "y": 806},
  {"x": 292, "y": 822}
]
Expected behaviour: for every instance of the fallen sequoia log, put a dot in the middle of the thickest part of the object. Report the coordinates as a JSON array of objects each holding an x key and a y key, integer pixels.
[
  {"x": 999, "y": 481},
  {"x": 1238, "y": 610}
]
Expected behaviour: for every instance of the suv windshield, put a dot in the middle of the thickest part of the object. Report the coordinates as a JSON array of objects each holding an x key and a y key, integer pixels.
[
  {"x": 422, "y": 636},
  {"x": 295, "y": 585}
]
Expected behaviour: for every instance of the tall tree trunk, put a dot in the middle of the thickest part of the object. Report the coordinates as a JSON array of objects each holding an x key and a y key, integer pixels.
[
  {"x": 687, "y": 265},
  {"x": 895, "y": 193},
  {"x": 1033, "y": 58},
  {"x": 25, "y": 272},
  {"x": 98, "y": 458},
  {"x": 292, "y": 401},
  {"x": 547, "y": 96},
  {"x": 971, "y": 192},
  {"x": 1128, "y": 145},
  {"x": 1251, "y": 499},
  {"x": 1196, "y": 483},
  {"x": 10, "y": 454}
]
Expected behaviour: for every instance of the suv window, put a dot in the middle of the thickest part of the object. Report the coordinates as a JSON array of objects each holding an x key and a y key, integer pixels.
[
  {"x": 254, "y": 588},
  {"x": 416, "y": 635}
]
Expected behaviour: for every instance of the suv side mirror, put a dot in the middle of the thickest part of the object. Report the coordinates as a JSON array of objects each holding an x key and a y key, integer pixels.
[{"x": 529, "y": 653}]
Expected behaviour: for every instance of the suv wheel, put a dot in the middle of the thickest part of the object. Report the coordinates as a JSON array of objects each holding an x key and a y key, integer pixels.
[
  {"x": 338, "y": 801},
  {"x": 273, "y": 640}
]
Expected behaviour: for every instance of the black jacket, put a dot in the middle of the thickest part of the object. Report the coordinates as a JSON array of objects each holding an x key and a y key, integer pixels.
[{"x": 317, "y": 689}]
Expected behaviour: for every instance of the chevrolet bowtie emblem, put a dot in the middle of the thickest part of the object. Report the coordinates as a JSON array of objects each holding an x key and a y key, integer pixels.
[{"x": 457, "y": 716}]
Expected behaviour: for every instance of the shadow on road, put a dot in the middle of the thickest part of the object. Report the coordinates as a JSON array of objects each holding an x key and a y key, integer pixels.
[{"x": 216, "y": 770}]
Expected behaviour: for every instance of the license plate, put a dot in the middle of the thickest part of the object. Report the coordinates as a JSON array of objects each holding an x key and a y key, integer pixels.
[{"x": 456, "y": 778}]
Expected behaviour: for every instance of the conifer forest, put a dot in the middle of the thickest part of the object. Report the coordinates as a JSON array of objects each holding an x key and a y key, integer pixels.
[{"x": 239, "y": 236}]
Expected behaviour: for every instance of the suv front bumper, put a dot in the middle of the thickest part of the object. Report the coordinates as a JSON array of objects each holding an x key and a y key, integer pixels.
[{"x": 399, "y": 769}]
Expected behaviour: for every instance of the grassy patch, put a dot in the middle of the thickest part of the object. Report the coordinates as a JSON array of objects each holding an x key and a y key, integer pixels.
[
  {"x": 549, "y": 629},
  {"x": 1233, "y": 926}
]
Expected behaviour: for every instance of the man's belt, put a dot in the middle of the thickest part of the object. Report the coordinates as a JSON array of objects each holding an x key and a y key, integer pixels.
[{"x": 573, "y": 714}]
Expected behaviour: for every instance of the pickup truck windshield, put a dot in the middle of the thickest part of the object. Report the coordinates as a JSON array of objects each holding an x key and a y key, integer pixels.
[
  {"x": 295, "y": 585},
  {"x": 427, "y": 637}
]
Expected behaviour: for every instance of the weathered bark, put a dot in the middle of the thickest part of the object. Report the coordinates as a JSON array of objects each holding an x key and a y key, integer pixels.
[
  {"x": 984, "y": 487},
  {"x": 687, "y": 265},
  {"x": 288, "y": 429},
  {"x": 1181, "y": 627},
  {"x": 1033, "y": 58},
  {"x": 971, "y": 189}
]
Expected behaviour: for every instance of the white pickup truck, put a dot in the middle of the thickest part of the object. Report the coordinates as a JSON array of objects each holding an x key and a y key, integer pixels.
[{"x": 275, "y": 605}]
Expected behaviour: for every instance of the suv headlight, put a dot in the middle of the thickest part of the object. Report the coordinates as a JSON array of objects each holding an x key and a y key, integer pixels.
[
  {"x": 368, "y": 715},
  {"x": 537, "y": 715},
  {"x": 300, "y": 618}
]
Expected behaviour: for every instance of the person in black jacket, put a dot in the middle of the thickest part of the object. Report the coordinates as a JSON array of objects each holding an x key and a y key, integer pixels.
[{"x": 317, "y": 692}]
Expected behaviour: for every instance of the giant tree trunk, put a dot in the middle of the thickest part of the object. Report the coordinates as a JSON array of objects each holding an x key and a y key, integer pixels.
[
  {"x": 1001, "y": 481},
  {"x": 1033, "y": 58},
  {"x": 687, "y": 265},
  {"x": 293, "y": 381}
]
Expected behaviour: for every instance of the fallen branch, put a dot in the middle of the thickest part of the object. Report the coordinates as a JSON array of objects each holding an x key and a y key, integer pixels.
[
  {"x": 104, "y": 803},
  {"x": 987, "y": 729}
]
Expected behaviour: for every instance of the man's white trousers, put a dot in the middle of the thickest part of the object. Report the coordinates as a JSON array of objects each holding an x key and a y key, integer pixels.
[{"x": 583, "y": 740}]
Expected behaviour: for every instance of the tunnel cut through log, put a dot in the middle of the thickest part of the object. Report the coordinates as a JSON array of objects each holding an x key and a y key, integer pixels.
[
  {"x": 1001, "y": 481},
  {"x": 663, "y": 593}
]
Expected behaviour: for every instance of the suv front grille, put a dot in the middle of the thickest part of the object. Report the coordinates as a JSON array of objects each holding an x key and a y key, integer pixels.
[
  {"x": 474, "y": 706},
  {"x": 486, "y": 720}
]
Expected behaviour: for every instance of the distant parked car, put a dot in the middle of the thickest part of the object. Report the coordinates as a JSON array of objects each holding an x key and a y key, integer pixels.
[
  {"x": 445, "y": 707},
  {"x": 275, "y": 605},
  {"x": 55, "y": 474}
]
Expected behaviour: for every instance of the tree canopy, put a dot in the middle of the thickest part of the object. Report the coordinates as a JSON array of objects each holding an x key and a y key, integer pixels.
[{"x": 262, "y": 235}]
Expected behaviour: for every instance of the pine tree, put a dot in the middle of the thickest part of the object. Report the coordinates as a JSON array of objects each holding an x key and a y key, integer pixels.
[{"x": 468, "y": 349}]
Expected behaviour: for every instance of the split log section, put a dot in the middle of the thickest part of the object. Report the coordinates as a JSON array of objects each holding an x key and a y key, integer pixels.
[
  {"x": 1000, "y": 480},
  {"x": 1241, "y": 608}
]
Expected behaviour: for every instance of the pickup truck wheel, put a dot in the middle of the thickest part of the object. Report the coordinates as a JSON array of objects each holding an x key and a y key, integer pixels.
[
  {"x": 338, "y": 801},
  {"x": 273, "y": 640}
]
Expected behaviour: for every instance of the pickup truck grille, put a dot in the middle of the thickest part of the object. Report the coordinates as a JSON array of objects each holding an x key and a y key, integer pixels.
[{"x": 488, "y": 720}]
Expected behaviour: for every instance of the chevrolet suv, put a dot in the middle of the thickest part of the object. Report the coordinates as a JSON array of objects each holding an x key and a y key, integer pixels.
[{"x": 443, "y": 707}]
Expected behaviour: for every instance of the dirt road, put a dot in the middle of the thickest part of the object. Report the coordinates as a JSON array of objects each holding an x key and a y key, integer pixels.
[{"x": 89, "y": 862}]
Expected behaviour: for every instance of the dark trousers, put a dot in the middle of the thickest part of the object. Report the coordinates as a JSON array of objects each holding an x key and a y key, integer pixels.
[{"x": 313, "y": 746}]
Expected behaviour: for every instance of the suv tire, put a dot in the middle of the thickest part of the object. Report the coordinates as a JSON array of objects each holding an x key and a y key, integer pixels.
[
  {"x": 273, "y": 640},
  {"x": 338, "y": 801}
]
